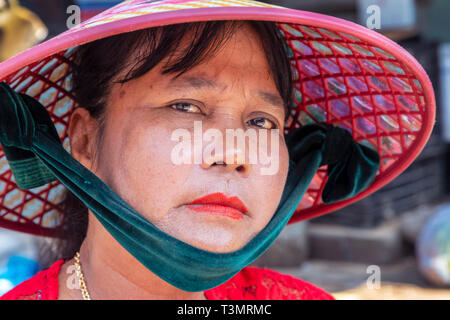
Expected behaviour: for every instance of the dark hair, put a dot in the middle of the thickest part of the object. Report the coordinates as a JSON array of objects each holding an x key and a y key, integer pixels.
[{"x": 97, "y": 64}]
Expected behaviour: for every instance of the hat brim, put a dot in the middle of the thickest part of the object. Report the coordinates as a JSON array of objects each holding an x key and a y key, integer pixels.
[{"x": 346, "y": 75}]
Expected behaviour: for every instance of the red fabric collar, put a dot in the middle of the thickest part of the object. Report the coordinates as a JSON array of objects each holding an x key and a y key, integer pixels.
[{"x": 251, "y": 283}]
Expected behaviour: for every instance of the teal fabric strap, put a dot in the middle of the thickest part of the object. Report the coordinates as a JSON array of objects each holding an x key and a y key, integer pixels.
[
  {"x": 27, "y": 132},
  {"x": 30, "y": 173}
]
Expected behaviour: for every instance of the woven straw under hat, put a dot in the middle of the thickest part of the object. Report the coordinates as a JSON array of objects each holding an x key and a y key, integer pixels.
[{"x": 345, "y": 75}]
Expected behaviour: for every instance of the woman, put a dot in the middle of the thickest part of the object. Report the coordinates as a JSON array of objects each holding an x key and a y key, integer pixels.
[{"x": 169, "y": 207}]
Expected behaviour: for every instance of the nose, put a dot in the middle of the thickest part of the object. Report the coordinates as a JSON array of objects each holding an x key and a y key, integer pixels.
[{"x": 232, "y": 160}]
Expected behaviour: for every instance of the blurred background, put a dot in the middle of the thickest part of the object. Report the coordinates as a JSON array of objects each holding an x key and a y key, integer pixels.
[{"x": 393, "y": 244}]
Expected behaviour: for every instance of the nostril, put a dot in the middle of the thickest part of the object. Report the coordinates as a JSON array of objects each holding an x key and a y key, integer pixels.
[{"x": 240, "y": 168}]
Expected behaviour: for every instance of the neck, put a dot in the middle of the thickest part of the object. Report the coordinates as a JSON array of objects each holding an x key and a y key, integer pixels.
[{"x": 110, "y": 272}]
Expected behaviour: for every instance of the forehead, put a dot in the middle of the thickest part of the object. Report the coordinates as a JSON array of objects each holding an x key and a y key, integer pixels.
[
  {"x": 236, "y": 41},
  {"x": 245, "y": 57},
  {"x": 239, "y": 59},
  {"x": 202, "y": 81}
]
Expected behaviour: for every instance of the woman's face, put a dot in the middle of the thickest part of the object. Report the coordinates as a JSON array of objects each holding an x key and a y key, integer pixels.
[{"x": 137, "y": 157}]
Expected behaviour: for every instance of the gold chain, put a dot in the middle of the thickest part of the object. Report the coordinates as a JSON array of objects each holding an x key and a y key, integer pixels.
[{"x": 83, "y": 287}]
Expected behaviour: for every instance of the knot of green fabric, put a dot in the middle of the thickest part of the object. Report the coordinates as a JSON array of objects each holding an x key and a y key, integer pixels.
[
  {"x": 352, "y": 167},
  {"x": 17, "y": 118},
  {"x": 20, "y": 115},
  {"x": 337, "y": 144}
]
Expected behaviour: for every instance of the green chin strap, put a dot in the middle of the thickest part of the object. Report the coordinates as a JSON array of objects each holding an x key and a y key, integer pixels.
[{"x": 36, "y": 157}]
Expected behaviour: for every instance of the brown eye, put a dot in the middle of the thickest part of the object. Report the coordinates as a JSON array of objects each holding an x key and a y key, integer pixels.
[
  {"x": 262, "y": 123},
  {"x": 185, "y": 107}
]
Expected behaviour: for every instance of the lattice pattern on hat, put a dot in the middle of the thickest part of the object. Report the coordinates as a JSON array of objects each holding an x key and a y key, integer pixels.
[
  {"x": 339, "y": 79},
  {"x": 38, "y": 210}
]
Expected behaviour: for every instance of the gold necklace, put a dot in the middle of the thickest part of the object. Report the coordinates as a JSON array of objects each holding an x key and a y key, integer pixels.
[{"x": 83, "y": 287}]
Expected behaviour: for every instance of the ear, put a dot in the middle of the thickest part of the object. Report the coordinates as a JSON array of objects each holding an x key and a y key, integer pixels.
[{"x": 82, "y": 132}]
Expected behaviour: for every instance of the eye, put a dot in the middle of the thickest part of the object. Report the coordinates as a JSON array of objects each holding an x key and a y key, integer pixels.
[
  {"x": 185, "y": 107},
  {"x": 262, "y": 123}
]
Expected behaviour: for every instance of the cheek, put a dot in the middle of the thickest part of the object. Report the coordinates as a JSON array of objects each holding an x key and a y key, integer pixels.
[
  {"x": 141, "y": 170},
  {"x": 268, "y": 188}
]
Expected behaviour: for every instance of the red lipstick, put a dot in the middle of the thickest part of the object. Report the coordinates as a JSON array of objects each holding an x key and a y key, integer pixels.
[{"x": 220, "y": 204}]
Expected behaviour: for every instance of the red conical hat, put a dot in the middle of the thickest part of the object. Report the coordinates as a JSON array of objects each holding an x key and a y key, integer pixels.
[{"x": 346, "y": 75}]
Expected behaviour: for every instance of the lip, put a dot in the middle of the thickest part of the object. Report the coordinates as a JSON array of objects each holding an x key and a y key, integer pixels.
[{"x": 219, "y": 204}]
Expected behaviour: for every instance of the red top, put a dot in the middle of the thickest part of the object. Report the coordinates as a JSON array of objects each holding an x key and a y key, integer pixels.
[{"x": 251, "y": 283}]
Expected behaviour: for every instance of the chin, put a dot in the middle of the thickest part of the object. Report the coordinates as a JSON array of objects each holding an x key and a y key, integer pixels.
[
  {"x": 217, "y": 249},
  {"x": 206, "y": 232},
  {"x": 218, "y": 242}
]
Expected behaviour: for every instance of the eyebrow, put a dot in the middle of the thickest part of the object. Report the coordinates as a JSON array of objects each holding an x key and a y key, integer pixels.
[{"x": 198, "y": 82}]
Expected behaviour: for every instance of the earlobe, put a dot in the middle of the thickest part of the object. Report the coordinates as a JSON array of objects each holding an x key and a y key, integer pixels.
[{"x": 81, "y": 136}]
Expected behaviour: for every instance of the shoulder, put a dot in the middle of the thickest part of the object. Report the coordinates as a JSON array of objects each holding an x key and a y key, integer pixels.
[
  {"x": 266, "y": 284},
  {"x": 42, "y": 286}
]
